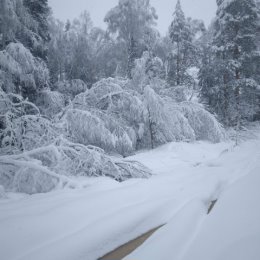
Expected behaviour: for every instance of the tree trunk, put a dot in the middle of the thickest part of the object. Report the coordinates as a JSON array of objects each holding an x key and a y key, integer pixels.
[{"x": 178, "y": 64}]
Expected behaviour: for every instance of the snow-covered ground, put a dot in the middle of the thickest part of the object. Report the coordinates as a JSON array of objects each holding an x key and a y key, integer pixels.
[{"x": 88, "y": 223}]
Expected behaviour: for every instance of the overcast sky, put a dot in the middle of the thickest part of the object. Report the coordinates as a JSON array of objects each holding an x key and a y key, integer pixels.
[{"x": 70, "y": 9}]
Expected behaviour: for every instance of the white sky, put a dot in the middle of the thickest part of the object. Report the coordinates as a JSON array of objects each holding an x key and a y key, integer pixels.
[{"x": 70, "y": 9}]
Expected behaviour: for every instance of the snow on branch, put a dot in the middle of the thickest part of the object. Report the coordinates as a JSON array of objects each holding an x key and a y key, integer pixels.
[{"x": 56, "y": 165}]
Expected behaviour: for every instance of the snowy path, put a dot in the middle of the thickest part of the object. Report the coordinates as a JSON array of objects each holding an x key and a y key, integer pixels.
[{"x": 88, "y": 223}]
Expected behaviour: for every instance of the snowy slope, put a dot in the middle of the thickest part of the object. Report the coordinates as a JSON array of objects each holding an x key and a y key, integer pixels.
[
  {"x": 232, "y": 231},
  {"x": 87, "y": 223}
]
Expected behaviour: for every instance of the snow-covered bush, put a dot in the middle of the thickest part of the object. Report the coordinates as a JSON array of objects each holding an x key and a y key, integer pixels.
[
  {"x": 178, "y": 93},
  {"x": 127, "y": 120},
  {"x": 27, "y": 73},
  {"x": 108, "y": 85},
  {"x": 26, "y": 176},
  {"x": 31, "y": 66},
  {"x": 186, "y": 121},
  {"x": 99, "y": 129},
  {"x": 99, "y": 90},
  {"x": 112, "y": 99},
  {"x": 86, "y": 128},
  {"x": 9, "y": 64},
  {"x": 34, "y": 131},
  {"x": 71, "y": 88},
  {"x": 124, "y": 136},
  {"x": 148, "y": 70},
  {"x": 140, "y": 78},
  {"x": 132, "y": 169},
  {"x": 204, "y": 124},
  {"x": 21, "y": 125},
  {"x": 125, "y": 105},
  {"x": 51, "y": 102},
  {"x": 158, "y": 123},
  {"x": 181, "y": 128},
  {"x": 48, "y": 167},
  {"x": 123, "y": 143},
  {"x": 6, "y": 81},
  {"x": 120, "y": 110}
]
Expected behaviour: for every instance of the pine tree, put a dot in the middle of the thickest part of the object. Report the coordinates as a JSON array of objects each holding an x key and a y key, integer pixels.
[
  {"x": 181, "y": 37},
  {"x": 235, "y": 62},
  {"x": 39, "y": 11}
]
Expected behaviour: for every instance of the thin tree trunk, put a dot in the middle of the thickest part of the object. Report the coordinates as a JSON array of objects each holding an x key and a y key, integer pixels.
[{"x": 178, "y": 63}]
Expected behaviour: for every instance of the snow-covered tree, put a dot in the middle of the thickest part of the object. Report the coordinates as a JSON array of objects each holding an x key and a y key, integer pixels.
[
  {"x": 51, "y": 103},
  {"x": 21, "y": 72},
  {"x": 22, "y": 127},
  {"x": 182, "y": 54},
  {"x": 230, "y": 76},
  {"x": 148, "y": 70},
  {"x": 120, "y": 112},
  {"x": 71, "y": 88},
  {"x": 58, "y": 49},
  {"x": 132, "y": 20},
  {"x": 39, "y": 11},
  {"x": 49, "y": 167},
  {"x": 157, "y": 119}
]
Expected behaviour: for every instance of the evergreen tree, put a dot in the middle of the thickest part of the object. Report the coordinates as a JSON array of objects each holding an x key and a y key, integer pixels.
[
  {"x": 39, "y": 11},
  {"x": 181, "y": 57},
  {"x": 234, "y": 66},
  {"x": 8, "y": 22}
]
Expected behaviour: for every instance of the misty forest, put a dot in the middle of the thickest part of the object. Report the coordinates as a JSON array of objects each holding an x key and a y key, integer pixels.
[{"x": 107, "y": 134}]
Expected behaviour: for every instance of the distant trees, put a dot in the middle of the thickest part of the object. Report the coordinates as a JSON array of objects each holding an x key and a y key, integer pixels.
[{"x": 70, "y": 50}]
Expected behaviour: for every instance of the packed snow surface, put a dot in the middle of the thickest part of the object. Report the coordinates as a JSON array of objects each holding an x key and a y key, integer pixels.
[{"x": 88, "y": 223}]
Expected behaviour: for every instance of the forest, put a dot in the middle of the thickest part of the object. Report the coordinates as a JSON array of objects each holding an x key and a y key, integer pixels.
[{"x": 76, "y": 100}]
